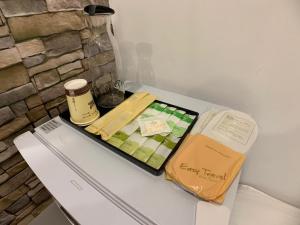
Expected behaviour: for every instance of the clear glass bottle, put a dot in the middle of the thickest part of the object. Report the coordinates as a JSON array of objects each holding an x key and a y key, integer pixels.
[{"x": 110, "y": 93}]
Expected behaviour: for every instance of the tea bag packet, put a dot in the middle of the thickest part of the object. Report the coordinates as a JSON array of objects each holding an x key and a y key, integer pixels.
[
  {"x": 167, "y": 112},
  {"x": 154, "y": 109},
  {"x": 175, "y": 118},
  {"x": 118, "y": 139},
  {"x": 158, "y": 108},
  {"x": 180, "y": 128},
  {"x": 148, "y": 148},
  {"x": 131, "y": 144},
  {"x": 149, "y": 110},
  {"x": 104, "y": 120},
  {"x": 130, "y": 128},
  {"x": 161, "y": 133},
  {"x": 120, "y": 136},
  {"x": 117, "y": 118},
  {"x": 125, "y": 118},
  {"x": 208, "y": 162},
  {"x": 163, "y": 151}
]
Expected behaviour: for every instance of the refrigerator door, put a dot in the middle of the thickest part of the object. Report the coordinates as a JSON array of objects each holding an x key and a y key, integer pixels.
[
  {"x": 80, "y": 199},
  {"x": 150, "y": 198}
]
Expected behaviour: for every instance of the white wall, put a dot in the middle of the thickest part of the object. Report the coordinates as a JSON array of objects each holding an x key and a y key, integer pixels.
[{"x": 242, "y": 54}]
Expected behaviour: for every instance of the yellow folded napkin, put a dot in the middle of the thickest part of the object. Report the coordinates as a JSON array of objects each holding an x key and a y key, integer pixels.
[
  {"x": 204, "y": 167},
  {"x": 121, "y": 115}
]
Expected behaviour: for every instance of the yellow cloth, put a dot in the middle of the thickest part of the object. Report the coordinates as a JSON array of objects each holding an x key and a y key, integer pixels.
[
  {"x": 204, "y": 167},
  {"x": 117, "y": 118}
]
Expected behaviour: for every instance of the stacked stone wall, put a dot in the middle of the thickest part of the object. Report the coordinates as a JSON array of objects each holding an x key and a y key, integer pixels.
[{"x": 43, "y": 44}]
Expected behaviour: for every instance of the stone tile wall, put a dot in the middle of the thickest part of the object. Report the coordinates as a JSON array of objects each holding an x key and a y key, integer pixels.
[{"x": 43, "y": 44}]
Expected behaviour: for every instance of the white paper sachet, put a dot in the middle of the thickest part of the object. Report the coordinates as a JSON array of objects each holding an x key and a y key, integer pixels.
[
  {"x": 148, "y": 148},
  {"x": 133, "y": 143},
  {"x": 149, "y": 111},
  {"x": 153, "y": 125},
  {"x": 130, "y": 128},
  {"x": 180, "y": 128},
  {"x": 167, "y": 112},
  {"x": 155, "y": 109},
  {"x": 175, "y": 118},
  {"x": 121, "y": 136},
  {"x": 134, "y": 125},
  {"x": 163, "y": 151}
]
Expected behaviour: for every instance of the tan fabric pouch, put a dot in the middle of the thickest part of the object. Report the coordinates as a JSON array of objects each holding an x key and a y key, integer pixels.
[{"x": 204, "y": 167}]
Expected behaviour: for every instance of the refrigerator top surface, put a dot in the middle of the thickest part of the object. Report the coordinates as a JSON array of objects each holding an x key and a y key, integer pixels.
[{"x": 142, "y": 197}]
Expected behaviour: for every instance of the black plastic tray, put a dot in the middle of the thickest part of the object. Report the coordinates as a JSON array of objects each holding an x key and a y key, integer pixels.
[{"x": 65, "y": 116}]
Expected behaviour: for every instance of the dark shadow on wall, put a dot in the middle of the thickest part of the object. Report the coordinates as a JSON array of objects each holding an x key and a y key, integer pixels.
[
  {"x": 128, "y": 59},
  {"x": 136, "y": 62},
  {"x": 145, "y": 72}
]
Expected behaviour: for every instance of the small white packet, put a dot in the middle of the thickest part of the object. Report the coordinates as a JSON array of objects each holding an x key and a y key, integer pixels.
[{"x": 153, "y": 125}]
